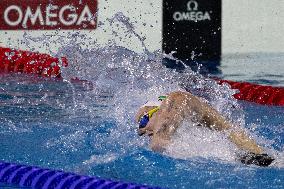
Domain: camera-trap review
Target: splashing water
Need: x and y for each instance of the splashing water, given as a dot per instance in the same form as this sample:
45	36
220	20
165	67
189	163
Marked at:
122	80
131	79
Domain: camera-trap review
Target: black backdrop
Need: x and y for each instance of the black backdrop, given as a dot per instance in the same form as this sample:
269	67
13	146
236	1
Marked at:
193	39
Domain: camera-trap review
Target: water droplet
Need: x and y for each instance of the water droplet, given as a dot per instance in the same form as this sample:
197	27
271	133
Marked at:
31	62
53	64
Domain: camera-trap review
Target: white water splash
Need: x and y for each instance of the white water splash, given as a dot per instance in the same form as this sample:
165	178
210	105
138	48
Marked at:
194	141
129	80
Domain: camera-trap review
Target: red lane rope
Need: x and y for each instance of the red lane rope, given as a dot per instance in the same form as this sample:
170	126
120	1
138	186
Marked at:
30	62
43	64
260	94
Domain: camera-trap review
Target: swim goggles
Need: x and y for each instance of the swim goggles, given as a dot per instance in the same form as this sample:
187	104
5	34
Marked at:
146	117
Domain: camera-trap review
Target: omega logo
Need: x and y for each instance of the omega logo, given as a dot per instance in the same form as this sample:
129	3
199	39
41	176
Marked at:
192	13
192	5
41	14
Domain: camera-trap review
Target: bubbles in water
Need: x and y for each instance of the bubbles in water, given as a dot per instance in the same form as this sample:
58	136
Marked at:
97	159
70	142
8	126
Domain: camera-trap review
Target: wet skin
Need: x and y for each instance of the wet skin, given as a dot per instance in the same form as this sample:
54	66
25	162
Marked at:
180	106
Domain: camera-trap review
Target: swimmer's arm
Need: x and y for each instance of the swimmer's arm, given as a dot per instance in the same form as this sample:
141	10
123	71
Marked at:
170	116
183	105
164	123
244	142
212	119
206	115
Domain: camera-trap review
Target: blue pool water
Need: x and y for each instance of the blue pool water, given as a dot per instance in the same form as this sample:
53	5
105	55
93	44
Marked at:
88	127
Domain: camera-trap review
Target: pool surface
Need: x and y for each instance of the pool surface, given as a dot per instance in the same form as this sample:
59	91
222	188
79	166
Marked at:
89	128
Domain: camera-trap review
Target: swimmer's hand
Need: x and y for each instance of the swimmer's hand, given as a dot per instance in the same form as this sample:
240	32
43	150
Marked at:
262	160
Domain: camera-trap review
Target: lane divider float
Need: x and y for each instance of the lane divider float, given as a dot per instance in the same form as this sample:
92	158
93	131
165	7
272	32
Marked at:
19	61
38	178
260	94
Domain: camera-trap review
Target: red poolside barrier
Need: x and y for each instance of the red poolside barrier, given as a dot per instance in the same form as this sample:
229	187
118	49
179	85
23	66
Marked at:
260	94
30	62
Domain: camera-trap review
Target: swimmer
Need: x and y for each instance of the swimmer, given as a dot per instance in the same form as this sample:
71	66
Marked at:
160	121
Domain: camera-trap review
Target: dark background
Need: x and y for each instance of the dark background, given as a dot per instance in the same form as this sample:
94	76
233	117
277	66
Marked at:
202	37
